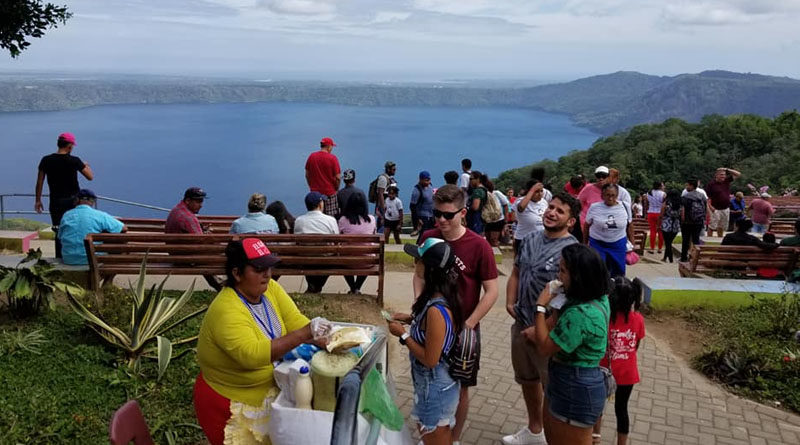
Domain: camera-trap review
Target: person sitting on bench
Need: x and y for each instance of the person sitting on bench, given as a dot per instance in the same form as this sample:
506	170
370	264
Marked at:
741	238
81	221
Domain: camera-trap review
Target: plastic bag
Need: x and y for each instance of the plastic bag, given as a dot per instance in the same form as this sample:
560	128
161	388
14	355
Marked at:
305	351
375	399
631	258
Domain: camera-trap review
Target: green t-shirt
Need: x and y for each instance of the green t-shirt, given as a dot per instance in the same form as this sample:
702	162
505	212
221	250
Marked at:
478	193
792	241
582	333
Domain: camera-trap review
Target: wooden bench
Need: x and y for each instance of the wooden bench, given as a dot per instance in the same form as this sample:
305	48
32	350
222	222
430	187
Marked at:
218	224
742	261
190	254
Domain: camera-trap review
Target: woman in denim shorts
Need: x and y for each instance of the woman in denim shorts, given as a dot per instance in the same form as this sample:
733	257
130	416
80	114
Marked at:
435	319
575	393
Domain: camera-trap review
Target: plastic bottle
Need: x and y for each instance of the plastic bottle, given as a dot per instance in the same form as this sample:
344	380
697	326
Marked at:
303	389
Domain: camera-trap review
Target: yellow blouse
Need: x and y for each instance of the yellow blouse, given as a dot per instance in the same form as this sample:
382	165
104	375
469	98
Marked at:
233	353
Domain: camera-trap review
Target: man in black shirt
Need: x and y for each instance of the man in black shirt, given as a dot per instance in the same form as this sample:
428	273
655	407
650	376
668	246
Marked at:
61	170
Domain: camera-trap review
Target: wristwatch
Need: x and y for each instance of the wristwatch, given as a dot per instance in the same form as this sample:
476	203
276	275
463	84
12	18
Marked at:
404	337
541	308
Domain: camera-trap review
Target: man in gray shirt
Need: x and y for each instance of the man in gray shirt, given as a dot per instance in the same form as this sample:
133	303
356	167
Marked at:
536	264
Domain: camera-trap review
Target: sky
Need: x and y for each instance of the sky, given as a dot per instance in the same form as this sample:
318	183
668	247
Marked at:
419	39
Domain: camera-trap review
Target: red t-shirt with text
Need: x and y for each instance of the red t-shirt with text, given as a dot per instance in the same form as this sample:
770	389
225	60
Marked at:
475	261
622	341
322	168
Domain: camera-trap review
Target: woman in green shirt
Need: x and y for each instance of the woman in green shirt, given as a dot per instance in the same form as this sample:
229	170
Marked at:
575	393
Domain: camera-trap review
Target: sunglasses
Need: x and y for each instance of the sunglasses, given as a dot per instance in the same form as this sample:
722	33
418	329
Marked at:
447	215
600	175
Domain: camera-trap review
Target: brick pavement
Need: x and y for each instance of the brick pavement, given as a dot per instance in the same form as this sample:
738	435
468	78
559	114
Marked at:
672	405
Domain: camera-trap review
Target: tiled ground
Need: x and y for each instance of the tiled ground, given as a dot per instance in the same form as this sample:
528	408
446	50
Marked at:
671	406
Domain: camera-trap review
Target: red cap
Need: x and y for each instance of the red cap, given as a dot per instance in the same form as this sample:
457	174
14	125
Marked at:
327	142
258	254
69	137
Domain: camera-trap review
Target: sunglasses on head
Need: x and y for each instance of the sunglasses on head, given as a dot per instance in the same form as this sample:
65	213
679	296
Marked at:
447	215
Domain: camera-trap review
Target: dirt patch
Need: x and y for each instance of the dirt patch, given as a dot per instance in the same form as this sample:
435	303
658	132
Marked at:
338	307
685	339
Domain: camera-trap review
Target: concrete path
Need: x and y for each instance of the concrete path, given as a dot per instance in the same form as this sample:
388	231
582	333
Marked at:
672	405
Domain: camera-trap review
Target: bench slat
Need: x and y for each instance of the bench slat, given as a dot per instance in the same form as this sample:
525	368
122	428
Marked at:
220	248
191	260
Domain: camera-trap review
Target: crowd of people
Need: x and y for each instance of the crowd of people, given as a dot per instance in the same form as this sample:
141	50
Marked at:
575	314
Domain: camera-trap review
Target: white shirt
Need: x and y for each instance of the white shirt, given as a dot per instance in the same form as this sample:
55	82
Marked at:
608	224
530	219
393	209
699	190
655	199
463	181
624	196
316	222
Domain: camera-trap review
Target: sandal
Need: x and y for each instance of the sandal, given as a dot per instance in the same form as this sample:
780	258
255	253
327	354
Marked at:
595	438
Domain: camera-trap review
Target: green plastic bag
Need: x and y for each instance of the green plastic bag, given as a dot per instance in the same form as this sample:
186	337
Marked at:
375	400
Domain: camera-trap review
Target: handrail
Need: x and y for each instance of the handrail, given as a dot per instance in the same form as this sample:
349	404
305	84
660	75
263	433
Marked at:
345	416
3	211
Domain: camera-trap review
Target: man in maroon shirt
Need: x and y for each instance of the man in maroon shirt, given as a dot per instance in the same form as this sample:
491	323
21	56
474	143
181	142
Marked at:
324	175
719	200
477	267
182	218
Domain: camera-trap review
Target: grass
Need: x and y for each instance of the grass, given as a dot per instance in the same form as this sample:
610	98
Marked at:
752	350
67	388
677	299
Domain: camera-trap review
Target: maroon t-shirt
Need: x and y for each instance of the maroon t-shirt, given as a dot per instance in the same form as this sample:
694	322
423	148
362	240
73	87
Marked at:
719	193
475	260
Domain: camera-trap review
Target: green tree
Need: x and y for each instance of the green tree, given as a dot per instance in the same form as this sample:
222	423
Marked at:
21	19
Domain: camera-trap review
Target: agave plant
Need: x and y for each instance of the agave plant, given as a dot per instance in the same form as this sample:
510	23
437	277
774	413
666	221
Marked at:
150	312
30	285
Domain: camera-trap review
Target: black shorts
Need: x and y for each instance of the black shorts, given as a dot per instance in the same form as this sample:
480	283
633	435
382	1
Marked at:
495	226
391	225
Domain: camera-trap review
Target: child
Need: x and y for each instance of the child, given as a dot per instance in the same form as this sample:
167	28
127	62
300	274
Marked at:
393	216
435	321
625	333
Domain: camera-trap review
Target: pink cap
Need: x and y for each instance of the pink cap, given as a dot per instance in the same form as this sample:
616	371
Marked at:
328	142
258	254
69	137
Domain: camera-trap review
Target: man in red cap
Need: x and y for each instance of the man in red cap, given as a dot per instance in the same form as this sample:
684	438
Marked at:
324	175
61	170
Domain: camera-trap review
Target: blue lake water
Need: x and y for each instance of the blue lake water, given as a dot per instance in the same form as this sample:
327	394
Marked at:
151	153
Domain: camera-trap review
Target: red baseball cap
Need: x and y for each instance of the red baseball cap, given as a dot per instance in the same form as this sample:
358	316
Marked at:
258	255
69	137
327	142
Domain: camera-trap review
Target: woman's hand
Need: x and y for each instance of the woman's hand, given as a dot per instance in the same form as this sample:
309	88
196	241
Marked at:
396	328
321	343
511	311
544	296
402	317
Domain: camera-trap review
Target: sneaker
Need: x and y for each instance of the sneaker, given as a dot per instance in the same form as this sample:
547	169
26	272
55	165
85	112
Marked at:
525	437
414	233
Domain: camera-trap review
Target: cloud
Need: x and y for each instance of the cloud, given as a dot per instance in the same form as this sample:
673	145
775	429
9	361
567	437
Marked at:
727	12
301	7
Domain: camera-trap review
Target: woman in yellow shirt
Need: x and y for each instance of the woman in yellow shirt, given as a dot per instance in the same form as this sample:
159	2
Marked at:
251	323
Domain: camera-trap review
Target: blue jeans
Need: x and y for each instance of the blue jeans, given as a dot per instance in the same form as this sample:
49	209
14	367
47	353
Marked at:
760	228
575	395
435	396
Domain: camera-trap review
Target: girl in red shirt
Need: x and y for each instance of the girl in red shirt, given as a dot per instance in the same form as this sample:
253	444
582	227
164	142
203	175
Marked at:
625	333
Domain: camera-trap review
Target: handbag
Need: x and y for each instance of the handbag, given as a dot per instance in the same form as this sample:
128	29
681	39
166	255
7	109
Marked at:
609	381
631	258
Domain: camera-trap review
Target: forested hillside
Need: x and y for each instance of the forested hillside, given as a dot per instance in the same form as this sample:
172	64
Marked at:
605	103
766	151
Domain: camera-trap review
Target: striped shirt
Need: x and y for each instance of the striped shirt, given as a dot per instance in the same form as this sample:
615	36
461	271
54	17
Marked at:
418	333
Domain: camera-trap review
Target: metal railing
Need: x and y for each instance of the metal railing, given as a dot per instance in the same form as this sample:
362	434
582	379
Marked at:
345	416
4	212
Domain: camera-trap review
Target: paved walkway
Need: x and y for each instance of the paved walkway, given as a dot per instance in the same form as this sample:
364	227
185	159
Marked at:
672	405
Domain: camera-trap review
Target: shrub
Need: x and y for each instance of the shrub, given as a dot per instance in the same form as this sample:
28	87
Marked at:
150	312
31	284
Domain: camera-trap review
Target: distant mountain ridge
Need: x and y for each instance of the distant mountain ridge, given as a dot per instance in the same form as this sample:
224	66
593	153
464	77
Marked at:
604	103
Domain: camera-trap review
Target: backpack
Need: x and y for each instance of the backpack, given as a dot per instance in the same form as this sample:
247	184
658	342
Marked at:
696	211
372	194
463	355
491	211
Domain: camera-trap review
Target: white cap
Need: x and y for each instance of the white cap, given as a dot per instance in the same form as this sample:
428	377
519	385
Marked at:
602	169
766	195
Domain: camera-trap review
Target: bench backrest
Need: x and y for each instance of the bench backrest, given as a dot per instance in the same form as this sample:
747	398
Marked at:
741	259
218	224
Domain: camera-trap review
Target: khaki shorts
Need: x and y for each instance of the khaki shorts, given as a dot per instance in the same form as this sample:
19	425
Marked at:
529	366
719	219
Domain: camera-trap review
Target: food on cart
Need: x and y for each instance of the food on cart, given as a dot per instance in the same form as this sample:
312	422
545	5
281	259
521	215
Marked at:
326	370
347	337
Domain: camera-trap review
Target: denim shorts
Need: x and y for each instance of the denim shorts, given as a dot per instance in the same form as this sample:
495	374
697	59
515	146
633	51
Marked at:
576	395
435	396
